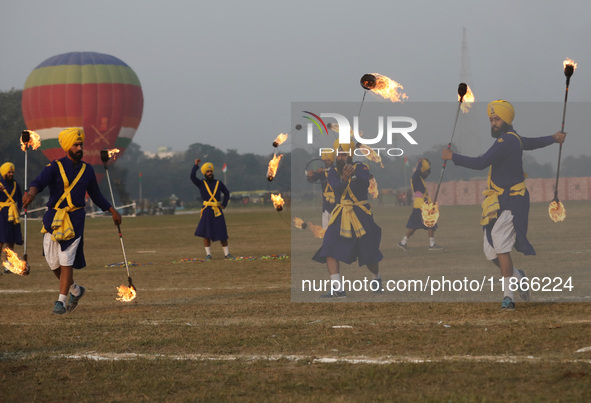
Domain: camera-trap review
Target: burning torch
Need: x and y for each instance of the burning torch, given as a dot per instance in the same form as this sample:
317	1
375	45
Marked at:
105	157
430	211
556	209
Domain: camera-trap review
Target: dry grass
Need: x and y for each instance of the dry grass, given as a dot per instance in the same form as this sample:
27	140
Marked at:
228	330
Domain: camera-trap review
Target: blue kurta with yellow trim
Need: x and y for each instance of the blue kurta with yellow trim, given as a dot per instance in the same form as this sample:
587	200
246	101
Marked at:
210	226
51	177
506	160
9	231
415	221
366	248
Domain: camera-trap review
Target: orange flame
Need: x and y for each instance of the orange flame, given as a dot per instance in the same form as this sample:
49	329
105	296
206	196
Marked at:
277	201
467	101
126	294
298	222
317	230
371	154
34	141
280	140
14	264
273	165
556	211
566	63
113	152
388	88
373	188
430	214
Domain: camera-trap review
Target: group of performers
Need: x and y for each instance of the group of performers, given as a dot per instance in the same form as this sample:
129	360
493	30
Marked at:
352	235
351	232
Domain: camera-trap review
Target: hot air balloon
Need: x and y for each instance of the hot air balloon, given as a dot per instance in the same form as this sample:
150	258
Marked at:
93	91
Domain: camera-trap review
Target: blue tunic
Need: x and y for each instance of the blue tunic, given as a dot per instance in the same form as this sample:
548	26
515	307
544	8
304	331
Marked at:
506	159
364	249
50	176
415	221
322	176
210	226
10	232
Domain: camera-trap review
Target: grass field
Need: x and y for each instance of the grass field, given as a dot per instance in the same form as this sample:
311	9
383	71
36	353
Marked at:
229	330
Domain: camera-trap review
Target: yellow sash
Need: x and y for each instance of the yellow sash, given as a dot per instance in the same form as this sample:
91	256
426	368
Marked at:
13	215
212	202
418	202
328	192
348	218
62	225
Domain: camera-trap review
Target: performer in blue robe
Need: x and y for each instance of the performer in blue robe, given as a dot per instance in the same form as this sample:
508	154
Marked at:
69	179
10	206
352	235
212	224
506	207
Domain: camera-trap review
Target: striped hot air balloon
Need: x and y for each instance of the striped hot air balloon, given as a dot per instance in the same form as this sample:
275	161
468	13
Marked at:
93	91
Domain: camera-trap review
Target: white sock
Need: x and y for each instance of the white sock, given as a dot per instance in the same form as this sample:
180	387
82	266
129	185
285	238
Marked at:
208	250
507	284
404	240
376	276
335	282
63	298
75	289
431	241
516	273
226	251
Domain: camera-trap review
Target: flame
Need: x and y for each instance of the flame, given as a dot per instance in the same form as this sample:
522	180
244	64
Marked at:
371	155
430	214
569	62
298	222
556	211
126	294
113	152
277	201
467	101
388	88
34	141
14	264
280	140
373	188
317	230
273	165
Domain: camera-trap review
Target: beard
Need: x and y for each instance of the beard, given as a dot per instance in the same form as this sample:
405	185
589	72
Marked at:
496	133
77	156
209	177
340	165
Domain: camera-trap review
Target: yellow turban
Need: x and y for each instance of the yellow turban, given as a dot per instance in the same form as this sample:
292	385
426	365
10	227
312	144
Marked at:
425	165
5	168
328	155
346	147
69	136
208	166
502	109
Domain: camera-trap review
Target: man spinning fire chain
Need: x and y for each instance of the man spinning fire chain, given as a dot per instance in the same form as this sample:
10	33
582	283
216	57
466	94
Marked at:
506	206
352	233
212	224
69	179
10	205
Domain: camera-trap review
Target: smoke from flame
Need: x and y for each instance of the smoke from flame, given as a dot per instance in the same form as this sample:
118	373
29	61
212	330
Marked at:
14	264
467	101
277	201
430	214
388	88
126	294
556	211
34	141
273	165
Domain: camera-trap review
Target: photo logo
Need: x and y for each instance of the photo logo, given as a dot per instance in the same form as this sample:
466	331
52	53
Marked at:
316	121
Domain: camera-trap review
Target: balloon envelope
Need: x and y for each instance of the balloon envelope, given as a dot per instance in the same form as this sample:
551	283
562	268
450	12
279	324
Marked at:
89	90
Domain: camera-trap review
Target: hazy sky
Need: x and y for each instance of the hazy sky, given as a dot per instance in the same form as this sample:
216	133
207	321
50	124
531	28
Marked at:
225	73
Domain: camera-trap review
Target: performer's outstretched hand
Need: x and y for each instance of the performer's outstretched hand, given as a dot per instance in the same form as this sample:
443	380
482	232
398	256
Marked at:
197	161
